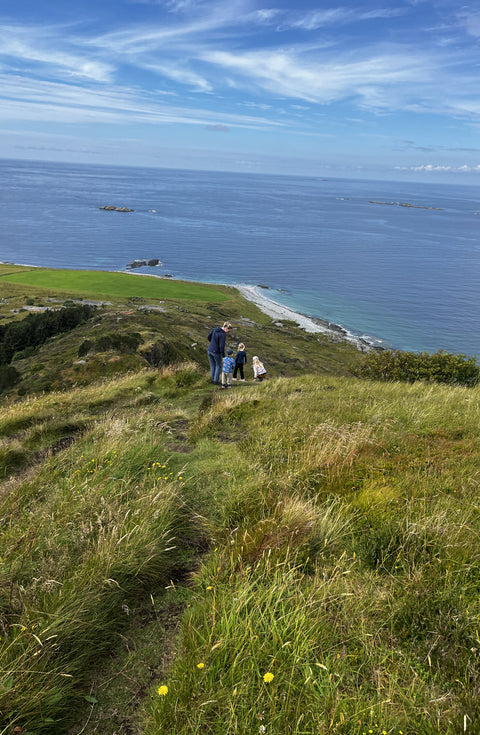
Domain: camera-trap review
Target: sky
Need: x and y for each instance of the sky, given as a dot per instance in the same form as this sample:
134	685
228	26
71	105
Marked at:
386	89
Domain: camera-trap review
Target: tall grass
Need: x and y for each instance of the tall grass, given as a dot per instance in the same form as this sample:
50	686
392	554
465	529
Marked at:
337	586
349	567
80	535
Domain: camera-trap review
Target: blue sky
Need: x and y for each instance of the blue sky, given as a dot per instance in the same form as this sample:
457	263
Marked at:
383	89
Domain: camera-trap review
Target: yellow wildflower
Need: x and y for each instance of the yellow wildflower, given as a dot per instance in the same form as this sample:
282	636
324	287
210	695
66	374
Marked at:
200	666
162	690
267	677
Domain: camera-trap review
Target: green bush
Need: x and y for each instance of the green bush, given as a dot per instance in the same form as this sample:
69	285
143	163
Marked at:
118	342
9	376
85	347
439	367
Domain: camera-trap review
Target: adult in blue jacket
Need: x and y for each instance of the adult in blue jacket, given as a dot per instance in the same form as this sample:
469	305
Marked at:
216	350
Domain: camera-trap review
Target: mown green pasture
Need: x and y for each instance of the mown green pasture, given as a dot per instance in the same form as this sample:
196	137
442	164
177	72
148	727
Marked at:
105	283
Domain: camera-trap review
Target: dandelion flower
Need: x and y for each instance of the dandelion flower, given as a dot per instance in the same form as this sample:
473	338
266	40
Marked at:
210	587
200	666
268	677
162	690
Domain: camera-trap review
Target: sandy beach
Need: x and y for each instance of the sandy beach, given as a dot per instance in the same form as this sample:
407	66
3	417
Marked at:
277	311
314	326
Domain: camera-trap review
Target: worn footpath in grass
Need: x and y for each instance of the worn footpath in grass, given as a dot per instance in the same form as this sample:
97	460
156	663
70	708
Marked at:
305	552
82	533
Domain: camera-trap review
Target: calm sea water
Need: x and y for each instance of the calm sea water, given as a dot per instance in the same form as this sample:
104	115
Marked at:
409	276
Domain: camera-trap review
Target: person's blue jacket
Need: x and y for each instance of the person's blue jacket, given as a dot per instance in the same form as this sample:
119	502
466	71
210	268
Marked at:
228	364
217	341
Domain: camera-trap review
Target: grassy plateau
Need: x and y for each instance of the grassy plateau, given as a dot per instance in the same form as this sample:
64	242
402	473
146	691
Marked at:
295	557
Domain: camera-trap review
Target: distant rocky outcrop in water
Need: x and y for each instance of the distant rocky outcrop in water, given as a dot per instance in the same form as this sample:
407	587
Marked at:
406	204
139	263
113	208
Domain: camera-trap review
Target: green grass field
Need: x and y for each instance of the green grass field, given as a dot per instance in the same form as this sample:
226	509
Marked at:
104	283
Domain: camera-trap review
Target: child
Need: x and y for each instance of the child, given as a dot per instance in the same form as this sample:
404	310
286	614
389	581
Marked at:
259	372
240	361
227	367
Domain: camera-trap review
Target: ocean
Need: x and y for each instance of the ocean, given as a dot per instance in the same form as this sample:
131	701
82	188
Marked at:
348	251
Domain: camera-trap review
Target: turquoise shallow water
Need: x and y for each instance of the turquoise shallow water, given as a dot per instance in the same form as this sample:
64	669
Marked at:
409	276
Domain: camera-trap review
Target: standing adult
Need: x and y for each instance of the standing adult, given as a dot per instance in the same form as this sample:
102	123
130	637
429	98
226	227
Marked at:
216	350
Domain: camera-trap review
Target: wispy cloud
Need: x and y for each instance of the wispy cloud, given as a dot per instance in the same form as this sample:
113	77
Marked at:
166	35
44	46
178	74
287	74
316	19
57	102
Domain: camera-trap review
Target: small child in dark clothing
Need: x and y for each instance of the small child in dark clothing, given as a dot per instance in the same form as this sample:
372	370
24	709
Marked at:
227	367
240	361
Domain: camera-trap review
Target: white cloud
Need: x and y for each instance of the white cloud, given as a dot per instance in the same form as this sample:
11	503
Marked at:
287	74
340	16
141	39
257	105
438	168
183	76
43	47
264	15
318	18
57	102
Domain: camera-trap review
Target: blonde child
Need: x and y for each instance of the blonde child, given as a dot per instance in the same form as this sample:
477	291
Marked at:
240	361
259	372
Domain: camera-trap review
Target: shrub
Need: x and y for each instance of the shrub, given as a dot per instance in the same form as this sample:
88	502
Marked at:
439	367
9	376
85	347
117	342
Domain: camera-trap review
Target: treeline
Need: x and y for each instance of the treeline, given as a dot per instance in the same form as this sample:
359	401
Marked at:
24	336
439	367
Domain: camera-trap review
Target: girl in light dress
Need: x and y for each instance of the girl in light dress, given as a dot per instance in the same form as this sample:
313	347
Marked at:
259	372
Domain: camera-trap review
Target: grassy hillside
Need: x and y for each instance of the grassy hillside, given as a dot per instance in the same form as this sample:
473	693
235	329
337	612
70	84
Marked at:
172	326
298	556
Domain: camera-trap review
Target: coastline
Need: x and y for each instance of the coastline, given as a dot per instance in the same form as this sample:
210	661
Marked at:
312	325
277	312
272	308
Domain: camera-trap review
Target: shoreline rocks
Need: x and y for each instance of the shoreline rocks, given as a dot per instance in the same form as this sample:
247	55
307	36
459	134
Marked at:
137	263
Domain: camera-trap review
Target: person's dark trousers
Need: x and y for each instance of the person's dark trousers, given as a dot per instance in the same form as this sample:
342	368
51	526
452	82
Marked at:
238	366
215	365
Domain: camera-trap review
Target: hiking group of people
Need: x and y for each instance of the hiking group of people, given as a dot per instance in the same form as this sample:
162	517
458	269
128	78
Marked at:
225	368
